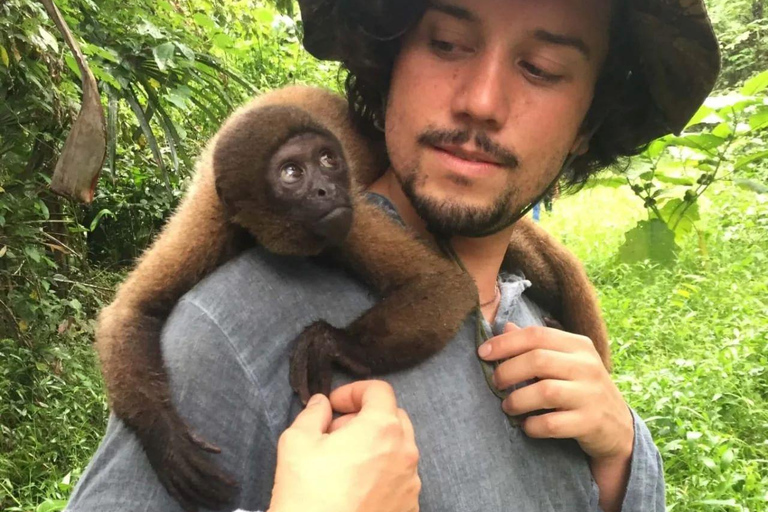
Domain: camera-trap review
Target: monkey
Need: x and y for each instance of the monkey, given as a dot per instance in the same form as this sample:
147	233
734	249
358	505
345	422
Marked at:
286	172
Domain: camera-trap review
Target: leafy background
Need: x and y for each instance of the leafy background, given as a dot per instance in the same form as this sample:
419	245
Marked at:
676	240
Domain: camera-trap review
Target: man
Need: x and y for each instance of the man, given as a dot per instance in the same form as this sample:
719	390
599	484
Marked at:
484	104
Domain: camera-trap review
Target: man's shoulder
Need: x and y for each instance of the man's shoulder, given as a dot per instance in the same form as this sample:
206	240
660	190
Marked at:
257	288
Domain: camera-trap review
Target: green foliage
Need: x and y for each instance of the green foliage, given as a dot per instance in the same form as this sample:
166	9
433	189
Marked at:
742	28
690	343
169	73
725	140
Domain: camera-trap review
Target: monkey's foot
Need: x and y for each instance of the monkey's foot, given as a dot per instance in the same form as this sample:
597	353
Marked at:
318	348
183	465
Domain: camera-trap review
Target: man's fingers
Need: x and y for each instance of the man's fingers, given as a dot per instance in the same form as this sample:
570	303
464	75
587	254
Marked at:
545	394
316	416
559	425
364	395
538	363
405	421
515	342
341	421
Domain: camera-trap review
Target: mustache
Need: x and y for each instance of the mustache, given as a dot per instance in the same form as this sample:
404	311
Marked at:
435	137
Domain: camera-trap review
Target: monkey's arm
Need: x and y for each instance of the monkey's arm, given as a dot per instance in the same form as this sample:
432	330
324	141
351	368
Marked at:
194	242
560	284
425	300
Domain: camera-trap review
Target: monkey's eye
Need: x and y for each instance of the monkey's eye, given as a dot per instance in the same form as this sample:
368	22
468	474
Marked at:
291	173
327	158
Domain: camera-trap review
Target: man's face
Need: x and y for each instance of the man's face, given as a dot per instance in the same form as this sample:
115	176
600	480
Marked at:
486	101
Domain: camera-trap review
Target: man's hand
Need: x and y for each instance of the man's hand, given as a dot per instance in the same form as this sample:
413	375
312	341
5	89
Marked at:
365	460
571	380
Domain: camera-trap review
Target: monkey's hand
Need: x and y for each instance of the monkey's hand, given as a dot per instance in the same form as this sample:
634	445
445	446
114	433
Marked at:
318	348
554	324
182	462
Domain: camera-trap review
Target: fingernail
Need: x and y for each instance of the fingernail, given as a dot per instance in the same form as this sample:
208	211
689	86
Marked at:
511	327
316	399
484	350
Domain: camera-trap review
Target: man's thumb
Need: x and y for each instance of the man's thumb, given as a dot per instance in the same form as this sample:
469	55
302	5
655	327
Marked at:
316	416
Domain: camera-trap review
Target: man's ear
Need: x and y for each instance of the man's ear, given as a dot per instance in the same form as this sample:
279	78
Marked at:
580	145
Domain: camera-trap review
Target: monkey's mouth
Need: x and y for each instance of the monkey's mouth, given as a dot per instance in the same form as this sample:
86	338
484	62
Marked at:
334	226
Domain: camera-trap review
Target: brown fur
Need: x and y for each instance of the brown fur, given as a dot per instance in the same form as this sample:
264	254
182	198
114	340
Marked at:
408	325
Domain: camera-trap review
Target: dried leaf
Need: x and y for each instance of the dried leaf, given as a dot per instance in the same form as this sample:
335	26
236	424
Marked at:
82	157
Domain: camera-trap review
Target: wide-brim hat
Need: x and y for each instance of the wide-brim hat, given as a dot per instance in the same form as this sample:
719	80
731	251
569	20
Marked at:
677	57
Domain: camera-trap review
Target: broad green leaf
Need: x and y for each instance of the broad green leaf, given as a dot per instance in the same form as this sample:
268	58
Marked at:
223	41
186	51
722	130
33	253
699	141
72	65
674	179
147	28
204	21
656	147
755	84
701	114
681	222
741	162
49	39
4	57
612	181
759	121
649	240
164	55
51	506
264	15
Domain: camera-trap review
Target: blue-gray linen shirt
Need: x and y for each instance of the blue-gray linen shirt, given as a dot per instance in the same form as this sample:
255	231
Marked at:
226	347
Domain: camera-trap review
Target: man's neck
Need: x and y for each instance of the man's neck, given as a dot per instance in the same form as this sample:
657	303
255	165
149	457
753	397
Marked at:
482	257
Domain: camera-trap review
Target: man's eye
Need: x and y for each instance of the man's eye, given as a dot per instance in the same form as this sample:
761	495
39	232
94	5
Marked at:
442	46
539	74
291	173
328	159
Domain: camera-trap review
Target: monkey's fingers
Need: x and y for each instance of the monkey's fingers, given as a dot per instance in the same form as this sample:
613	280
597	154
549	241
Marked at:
551	322
202	443
201	481
299	369
352	366
171	487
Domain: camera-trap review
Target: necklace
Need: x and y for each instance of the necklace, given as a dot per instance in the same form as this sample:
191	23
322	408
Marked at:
495	296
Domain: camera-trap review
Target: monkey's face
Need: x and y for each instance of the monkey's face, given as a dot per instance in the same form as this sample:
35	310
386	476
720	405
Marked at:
308	181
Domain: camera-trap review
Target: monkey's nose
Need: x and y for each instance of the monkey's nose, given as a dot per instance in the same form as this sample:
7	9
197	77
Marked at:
326	190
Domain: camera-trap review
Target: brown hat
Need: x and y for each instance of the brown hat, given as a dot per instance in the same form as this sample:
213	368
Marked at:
676	52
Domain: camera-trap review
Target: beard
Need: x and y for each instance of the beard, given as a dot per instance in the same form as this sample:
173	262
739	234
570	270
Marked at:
448	217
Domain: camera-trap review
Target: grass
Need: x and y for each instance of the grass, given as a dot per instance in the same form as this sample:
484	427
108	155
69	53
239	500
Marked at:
690	346
691	342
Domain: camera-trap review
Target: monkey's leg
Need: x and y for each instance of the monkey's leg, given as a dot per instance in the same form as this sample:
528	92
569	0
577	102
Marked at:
426	298
194	242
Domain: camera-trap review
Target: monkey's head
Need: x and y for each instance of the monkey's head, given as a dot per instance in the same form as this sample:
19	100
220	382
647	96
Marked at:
283	176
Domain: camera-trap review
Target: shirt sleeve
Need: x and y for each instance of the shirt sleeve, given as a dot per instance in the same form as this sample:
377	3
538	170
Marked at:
645	488
225	411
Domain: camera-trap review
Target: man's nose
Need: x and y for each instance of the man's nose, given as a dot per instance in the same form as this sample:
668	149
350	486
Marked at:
482	89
